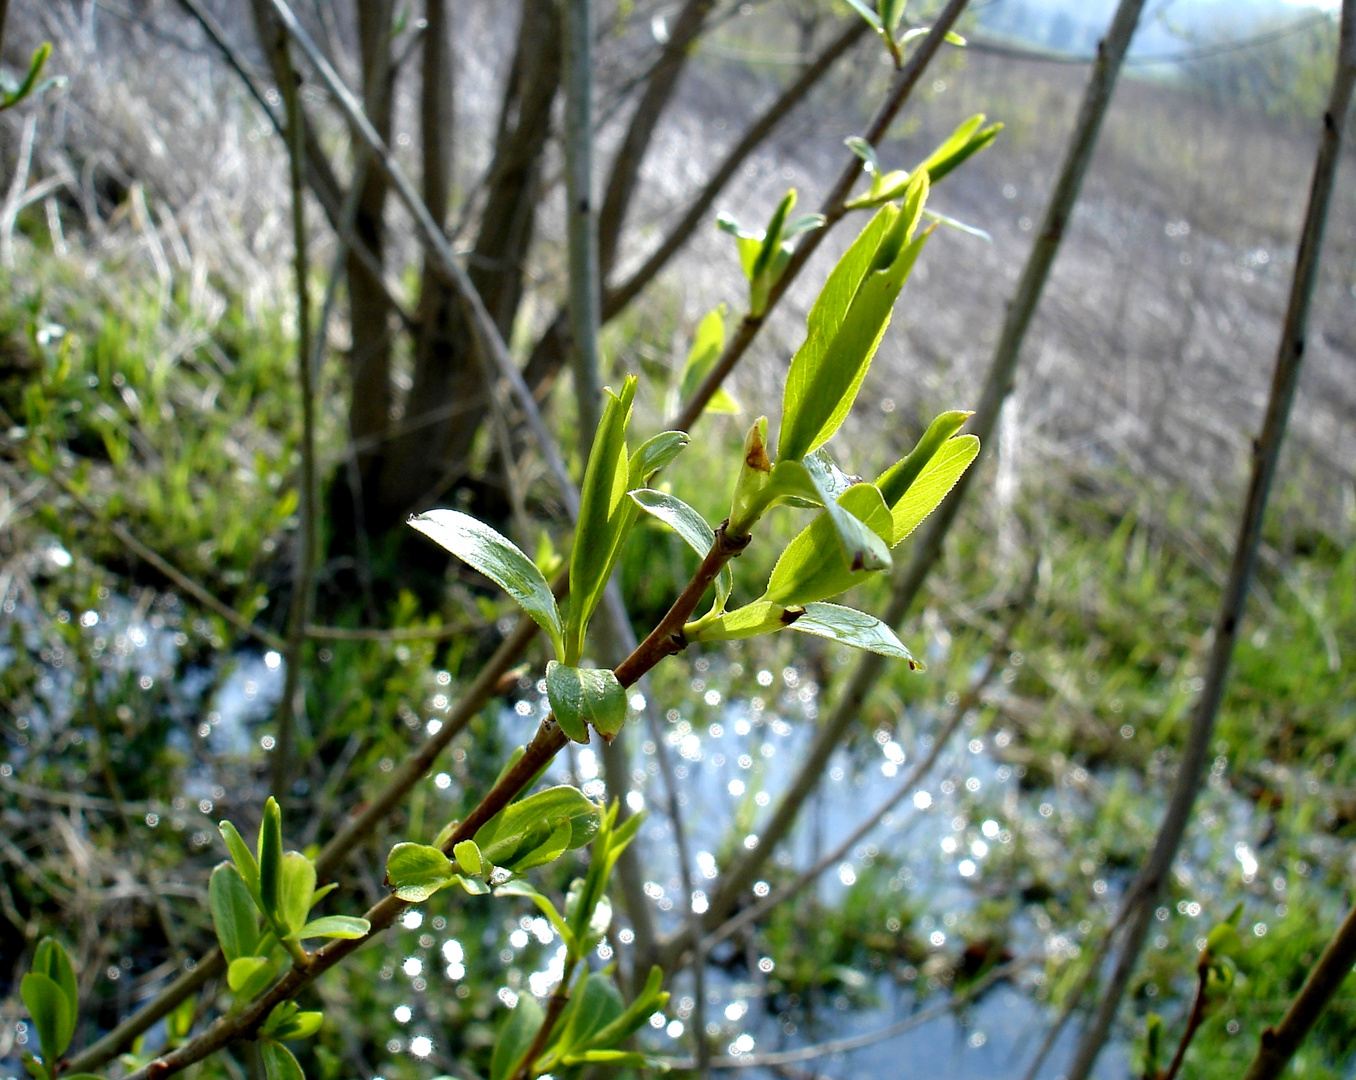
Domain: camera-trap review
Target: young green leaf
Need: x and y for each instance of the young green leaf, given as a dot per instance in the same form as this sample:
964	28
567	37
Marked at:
751	620
515	1038
654	454
844	328
249	976
243	858
548	850
692	527
35	1068
52	1014
650	1000
594	1004
861	546
524	825
862	9
813	567
855	628
270	857
605	515
50	959
468	858
755	473
583	696
417	871
279	1064
772	237
234	914
12	96
499	559
935	481
747	243
707	345
300	1025
296	886
963	143
897	479
335	926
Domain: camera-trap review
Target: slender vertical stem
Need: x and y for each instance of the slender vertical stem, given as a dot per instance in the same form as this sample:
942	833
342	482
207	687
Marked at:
581	218
1265	456
299	616
4	15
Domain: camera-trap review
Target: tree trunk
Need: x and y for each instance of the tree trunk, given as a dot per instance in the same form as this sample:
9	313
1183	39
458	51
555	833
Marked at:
449	396
370	399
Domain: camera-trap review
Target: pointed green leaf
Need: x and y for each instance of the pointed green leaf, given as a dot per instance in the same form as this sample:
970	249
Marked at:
897	479
862	548
813	566
50	959
594	1004
234	915
616	1058
35	1068
822	366
279	1064
862	9
751	620
548	851
302	1025
707	345
249	976
51	1012
270	857
583	696
691	526
417	871
525	825
772	236
855	628
515	1038
35	66
279	1015
654	454
295	889
650	1000
934	482
499	559
959	226
966	141
605	515
241	855
335	926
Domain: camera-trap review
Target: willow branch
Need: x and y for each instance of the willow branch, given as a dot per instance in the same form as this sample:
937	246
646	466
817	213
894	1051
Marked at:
549	740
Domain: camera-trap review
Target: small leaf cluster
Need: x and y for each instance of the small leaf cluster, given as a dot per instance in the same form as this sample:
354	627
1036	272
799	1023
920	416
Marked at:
261	903
12	92
595	1020
887	20
969	138
763	255
50	995
580	698
528	833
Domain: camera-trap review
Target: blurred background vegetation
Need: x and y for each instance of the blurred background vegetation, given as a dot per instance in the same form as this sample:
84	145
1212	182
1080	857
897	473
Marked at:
149	453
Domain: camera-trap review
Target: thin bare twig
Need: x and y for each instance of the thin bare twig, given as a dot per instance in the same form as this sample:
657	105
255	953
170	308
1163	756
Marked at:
1265	457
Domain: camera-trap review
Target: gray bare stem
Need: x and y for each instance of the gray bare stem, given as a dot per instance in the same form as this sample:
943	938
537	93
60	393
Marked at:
1265	456
581	218
303	581
998	383
832	208
4	16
